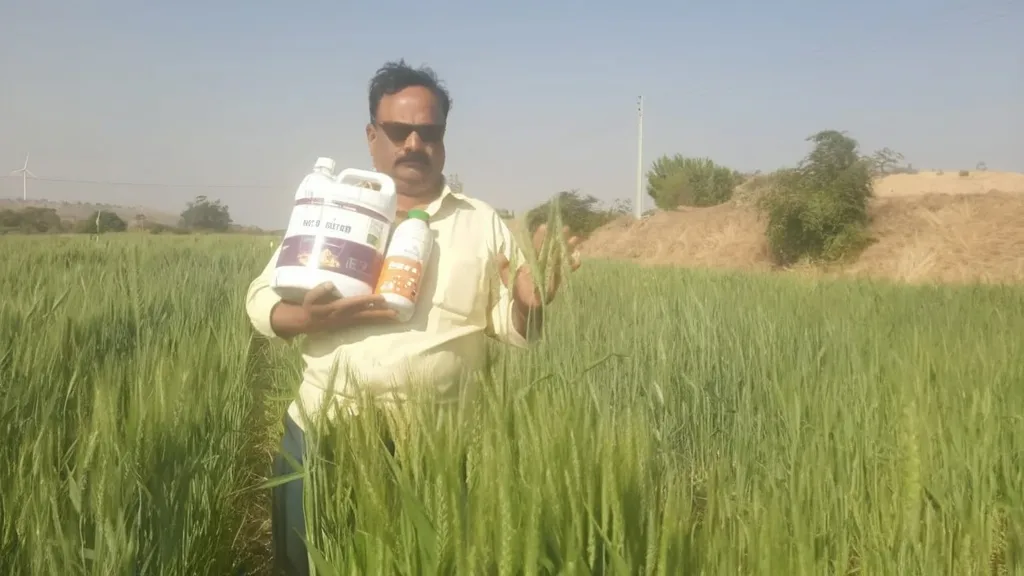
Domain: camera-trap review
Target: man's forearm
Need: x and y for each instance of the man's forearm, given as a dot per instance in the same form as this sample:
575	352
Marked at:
528	323
288	320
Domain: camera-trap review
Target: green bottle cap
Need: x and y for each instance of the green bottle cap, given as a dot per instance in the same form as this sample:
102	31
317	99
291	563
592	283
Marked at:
419	215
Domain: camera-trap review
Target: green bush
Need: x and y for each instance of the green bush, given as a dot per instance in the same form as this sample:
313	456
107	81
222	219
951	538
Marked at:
31	220
175	230
108	222
678	181
581	213
206	215
755	186
819	209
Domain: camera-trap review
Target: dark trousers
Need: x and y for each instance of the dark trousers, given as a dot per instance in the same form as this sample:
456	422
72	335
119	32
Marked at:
287	517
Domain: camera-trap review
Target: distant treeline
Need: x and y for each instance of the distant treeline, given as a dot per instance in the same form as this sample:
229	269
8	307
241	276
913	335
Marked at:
201	215
36	220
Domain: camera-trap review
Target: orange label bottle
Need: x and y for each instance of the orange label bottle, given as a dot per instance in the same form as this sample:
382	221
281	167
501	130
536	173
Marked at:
406	257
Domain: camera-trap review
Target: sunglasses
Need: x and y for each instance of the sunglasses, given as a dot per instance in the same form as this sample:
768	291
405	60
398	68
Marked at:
399	132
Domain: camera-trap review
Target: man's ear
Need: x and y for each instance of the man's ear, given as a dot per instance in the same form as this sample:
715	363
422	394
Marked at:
371	134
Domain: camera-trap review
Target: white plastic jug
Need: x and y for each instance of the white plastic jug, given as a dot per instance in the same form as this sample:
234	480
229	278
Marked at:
337	233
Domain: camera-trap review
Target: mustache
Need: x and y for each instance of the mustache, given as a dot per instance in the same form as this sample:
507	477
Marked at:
414	158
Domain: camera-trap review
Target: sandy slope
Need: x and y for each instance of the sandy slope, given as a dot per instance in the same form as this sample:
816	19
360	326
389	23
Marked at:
948	183
928	227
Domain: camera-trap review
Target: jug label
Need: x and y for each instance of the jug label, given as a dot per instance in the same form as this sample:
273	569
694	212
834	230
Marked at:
340	220
352	259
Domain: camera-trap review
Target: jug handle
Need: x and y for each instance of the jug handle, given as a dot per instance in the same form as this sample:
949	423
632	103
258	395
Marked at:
354	175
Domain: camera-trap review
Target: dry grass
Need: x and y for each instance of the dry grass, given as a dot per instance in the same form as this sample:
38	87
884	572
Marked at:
928	227
947	239
923	183
728	236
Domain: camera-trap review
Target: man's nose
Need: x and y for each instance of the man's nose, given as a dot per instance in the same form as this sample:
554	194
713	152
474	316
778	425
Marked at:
414	142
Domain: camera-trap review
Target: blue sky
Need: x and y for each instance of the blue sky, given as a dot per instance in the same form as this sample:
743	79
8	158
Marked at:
230	94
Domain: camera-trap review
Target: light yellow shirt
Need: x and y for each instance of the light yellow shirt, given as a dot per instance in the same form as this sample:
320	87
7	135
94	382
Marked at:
461	301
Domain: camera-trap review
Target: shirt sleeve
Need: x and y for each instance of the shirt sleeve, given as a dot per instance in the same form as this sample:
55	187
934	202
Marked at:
500	324
261	299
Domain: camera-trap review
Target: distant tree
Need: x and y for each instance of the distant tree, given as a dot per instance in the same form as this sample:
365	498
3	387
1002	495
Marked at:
622	207
31	220
158	228
100	222
886	161
819	209
206	215
249	230
675	181
581	213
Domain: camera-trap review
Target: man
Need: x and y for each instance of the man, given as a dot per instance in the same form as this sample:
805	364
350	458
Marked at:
353	345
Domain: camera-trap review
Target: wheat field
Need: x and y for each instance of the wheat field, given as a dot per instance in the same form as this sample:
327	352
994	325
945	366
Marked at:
671	422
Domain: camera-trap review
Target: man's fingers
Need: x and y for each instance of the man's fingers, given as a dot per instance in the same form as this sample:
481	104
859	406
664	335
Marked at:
538	237
574	253
554	283
348	306
358	303
367	316
556	274
321	294
503	266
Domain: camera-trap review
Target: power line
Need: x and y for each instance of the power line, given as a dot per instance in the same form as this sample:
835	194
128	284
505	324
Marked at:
152	184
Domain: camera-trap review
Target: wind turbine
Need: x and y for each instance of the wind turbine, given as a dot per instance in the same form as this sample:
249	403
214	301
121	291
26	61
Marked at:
25	175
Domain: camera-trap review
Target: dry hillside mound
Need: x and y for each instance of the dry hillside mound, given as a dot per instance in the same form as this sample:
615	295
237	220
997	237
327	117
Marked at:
946	238
923	183
975	233
727	236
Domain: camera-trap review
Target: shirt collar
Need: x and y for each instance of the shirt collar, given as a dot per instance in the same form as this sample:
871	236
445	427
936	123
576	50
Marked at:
447	195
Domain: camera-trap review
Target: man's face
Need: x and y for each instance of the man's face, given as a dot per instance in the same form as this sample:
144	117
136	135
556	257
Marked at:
407	140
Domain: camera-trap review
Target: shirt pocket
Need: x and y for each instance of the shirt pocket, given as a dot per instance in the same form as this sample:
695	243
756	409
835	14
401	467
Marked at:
460	289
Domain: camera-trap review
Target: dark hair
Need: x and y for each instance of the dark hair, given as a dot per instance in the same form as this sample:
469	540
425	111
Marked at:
393	77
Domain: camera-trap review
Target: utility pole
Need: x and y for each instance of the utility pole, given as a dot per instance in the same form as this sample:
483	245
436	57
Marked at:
638	205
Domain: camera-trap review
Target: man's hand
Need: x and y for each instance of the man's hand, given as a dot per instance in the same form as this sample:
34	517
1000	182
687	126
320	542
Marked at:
527	296
323	311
